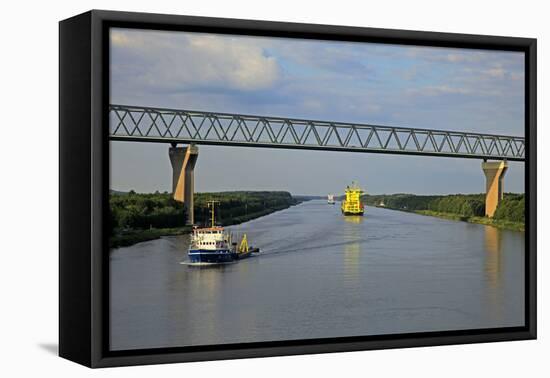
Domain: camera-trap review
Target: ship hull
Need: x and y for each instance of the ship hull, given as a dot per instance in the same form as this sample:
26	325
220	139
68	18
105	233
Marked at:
347	214
218	256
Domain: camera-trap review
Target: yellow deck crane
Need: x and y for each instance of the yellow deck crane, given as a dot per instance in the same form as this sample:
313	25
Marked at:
243	247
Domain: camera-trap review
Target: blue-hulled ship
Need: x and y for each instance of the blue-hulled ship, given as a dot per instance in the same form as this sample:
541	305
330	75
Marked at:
212	245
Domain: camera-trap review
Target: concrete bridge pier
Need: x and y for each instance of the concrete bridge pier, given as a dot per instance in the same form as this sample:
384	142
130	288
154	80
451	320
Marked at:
183	161
494	190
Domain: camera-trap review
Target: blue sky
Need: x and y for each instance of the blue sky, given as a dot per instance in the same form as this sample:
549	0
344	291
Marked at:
409	86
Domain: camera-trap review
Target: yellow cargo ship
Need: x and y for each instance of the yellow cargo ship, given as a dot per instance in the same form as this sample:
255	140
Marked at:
352	204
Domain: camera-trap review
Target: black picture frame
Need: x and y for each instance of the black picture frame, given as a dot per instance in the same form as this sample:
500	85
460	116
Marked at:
83	181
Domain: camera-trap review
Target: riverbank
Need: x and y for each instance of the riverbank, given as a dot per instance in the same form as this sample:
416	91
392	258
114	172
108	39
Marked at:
258	214
130	237
509	215
137	217
502	224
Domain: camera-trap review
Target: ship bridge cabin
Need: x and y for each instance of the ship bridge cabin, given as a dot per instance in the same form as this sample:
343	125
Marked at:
210	238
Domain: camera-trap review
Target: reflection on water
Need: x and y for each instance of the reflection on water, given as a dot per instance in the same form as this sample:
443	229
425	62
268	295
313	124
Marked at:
353	219
493	238
352	247
493	269
320	275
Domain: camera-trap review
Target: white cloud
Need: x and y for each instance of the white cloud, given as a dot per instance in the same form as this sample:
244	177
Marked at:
496	72
119	39
517	76
242	65
436	90
179	62
455	58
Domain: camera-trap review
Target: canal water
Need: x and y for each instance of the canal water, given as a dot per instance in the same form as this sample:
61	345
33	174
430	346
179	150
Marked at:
320	275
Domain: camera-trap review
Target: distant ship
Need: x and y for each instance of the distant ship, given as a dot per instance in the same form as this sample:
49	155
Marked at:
212	245
330	199
352	204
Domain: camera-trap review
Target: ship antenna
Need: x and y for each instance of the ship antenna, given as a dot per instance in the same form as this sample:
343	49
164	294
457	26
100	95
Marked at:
212	204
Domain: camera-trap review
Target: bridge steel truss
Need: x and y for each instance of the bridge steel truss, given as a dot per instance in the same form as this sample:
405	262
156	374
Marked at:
146	124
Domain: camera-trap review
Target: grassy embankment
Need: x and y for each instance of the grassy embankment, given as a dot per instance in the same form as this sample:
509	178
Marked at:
509	215
507	225
140	217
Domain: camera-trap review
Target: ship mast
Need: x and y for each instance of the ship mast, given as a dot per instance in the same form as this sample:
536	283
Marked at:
212	204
